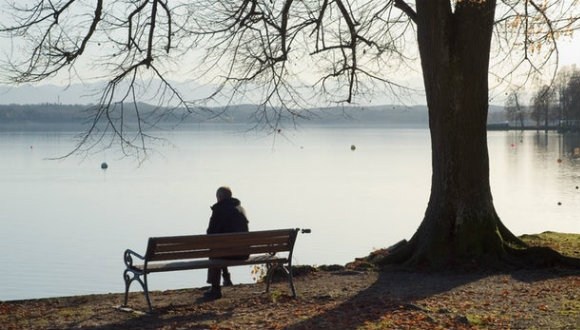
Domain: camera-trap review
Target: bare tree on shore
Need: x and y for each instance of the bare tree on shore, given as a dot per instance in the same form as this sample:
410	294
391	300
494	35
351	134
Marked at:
515	111
544	106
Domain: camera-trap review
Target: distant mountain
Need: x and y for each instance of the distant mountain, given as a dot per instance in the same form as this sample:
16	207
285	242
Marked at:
41	94
89	93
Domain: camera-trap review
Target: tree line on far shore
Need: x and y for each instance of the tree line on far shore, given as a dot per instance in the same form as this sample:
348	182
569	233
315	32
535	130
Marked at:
554	105
47	115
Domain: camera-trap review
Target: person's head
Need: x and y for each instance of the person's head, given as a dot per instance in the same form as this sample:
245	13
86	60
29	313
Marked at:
223	193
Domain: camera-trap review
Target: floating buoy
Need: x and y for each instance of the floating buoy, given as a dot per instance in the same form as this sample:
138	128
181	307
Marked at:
104	165
559	203
559	160
352	147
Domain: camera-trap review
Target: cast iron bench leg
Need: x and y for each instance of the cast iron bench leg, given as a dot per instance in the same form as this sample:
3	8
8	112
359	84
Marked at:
136	277
270	273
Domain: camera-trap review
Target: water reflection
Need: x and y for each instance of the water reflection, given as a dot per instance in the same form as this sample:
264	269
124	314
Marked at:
564	146
541	141
534	176
570	145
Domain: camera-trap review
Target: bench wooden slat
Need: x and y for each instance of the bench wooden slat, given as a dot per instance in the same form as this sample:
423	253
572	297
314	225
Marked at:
213	237
221	252
234	242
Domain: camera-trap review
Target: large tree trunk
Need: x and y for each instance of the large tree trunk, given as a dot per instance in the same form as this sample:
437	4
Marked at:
460	223
461	226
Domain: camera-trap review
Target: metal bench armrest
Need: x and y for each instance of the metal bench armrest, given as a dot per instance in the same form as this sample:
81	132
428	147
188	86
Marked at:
128	257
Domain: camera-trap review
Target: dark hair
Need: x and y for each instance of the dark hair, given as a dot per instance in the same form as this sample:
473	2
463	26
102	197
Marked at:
223	193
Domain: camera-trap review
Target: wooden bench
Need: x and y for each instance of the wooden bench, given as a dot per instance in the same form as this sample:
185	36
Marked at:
165	254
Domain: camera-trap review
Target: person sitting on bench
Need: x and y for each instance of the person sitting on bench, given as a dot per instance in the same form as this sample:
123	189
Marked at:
227	216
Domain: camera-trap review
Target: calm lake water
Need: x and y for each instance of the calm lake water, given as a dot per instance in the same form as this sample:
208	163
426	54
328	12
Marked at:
65	224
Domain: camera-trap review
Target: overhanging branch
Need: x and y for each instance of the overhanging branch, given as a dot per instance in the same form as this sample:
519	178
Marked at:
403	6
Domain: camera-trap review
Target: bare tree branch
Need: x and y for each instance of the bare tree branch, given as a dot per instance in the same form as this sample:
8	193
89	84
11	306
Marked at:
403	6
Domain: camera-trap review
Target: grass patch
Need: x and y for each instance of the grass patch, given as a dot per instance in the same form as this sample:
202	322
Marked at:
570	308
566	244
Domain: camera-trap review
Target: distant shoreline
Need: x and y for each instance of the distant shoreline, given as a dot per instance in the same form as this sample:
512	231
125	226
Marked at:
35	117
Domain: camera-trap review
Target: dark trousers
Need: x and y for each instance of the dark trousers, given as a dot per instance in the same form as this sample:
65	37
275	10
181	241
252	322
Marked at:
213	276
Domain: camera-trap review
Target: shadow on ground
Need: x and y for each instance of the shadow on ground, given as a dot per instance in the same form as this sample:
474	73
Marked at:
398	292
393	291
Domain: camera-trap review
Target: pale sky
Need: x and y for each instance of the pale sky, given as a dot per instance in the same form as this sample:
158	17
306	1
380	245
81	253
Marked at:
569	55
570	51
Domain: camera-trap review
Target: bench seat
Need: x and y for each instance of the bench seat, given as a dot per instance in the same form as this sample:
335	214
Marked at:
207	263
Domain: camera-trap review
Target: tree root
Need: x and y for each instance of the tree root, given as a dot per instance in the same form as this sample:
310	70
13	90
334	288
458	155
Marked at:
508	236
404	254
540	257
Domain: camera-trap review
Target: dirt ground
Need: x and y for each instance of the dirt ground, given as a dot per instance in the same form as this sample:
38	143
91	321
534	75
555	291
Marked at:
330	300
334	298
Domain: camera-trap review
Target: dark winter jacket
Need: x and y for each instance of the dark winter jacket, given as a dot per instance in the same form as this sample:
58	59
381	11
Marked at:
228	216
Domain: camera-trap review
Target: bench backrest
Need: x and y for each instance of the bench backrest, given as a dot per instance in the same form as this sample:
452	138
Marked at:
220	245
